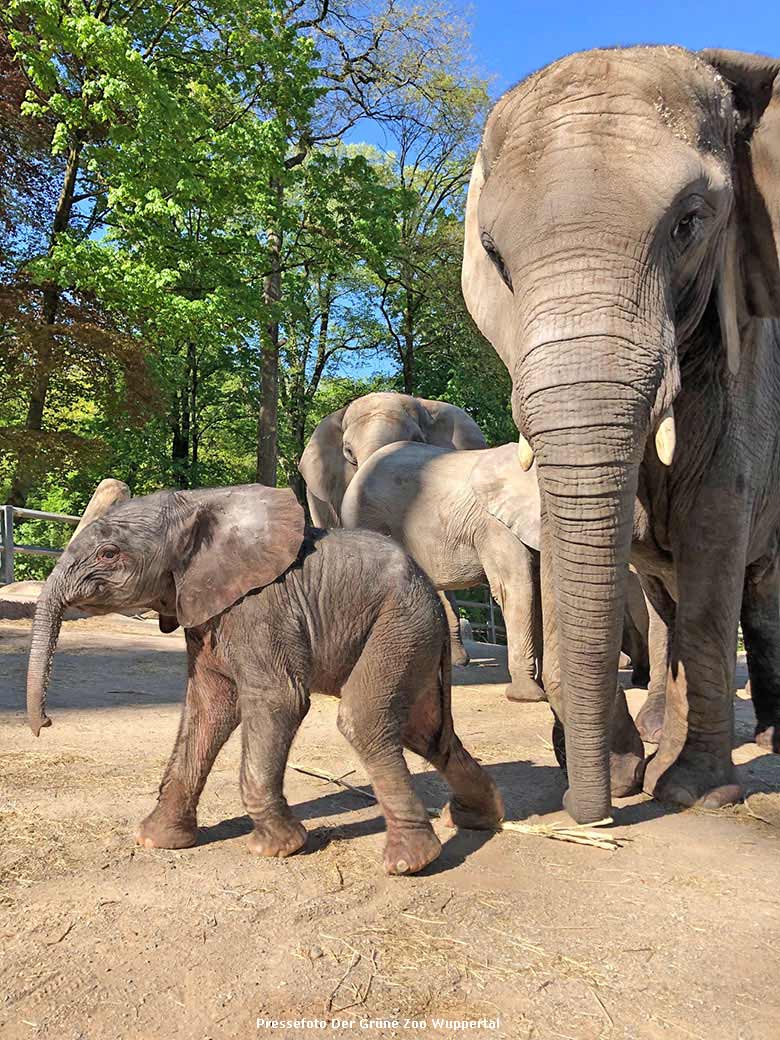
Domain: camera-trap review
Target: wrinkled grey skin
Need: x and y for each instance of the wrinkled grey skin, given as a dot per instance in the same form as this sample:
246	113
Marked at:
465	518
345	439
621	255
271	611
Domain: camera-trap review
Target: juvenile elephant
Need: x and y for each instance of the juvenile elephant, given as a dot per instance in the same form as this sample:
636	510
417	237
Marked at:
622	255
272	610
345	439
465	517
471	517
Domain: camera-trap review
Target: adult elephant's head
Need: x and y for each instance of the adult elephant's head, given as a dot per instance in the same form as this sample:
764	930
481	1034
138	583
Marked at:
187	554
345	439
622	204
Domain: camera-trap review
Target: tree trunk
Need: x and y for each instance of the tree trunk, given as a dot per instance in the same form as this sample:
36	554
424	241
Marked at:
407	360
22	481
267	450
192	357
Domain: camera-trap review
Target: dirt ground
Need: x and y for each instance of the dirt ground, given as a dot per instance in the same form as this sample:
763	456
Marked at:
672	936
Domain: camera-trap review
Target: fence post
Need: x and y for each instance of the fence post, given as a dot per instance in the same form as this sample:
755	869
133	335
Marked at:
8	544
491	616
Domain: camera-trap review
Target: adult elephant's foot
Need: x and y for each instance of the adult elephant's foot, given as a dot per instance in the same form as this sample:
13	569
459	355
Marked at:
650	720
525	689
626	756
768	736
278	836
161	830
703	779
460	655
409	850
626	772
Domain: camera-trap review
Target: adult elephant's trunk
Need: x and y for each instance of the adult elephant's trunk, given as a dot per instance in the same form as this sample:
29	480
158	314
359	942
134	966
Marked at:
46	629
587	425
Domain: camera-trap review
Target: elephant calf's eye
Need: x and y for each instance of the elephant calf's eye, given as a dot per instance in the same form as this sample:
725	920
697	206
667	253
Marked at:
108	553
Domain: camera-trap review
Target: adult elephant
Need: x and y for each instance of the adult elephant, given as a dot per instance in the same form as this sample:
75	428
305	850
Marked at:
621	255
345	439
465	517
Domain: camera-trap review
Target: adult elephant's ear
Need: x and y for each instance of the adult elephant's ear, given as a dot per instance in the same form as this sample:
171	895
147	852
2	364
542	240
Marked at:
235	540
451	427
509	493
755	86
323	466
488	298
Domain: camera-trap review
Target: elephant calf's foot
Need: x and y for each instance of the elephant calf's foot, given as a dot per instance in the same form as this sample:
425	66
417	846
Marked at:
768	736
484	817
162	831
277	836
704	780
409	850
650	720
525	689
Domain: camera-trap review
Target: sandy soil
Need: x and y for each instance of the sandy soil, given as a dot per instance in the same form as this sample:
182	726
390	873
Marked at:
672	936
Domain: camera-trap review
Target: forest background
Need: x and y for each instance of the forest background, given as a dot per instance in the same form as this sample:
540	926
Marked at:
219	222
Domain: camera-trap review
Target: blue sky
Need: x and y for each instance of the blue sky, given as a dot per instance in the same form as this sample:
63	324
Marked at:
511	39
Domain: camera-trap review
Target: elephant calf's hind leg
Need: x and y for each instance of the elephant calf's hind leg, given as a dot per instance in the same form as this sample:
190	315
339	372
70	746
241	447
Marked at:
476	803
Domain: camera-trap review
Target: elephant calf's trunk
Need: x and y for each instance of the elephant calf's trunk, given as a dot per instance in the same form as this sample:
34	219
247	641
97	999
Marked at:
46	629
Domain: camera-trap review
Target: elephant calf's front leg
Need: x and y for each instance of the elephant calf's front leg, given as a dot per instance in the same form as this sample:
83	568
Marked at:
209	716
269	721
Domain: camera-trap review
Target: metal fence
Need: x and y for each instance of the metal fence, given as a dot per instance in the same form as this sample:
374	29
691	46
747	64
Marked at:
491	629
9	549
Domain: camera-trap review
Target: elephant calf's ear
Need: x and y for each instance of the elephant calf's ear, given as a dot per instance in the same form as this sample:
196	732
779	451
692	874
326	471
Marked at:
239	539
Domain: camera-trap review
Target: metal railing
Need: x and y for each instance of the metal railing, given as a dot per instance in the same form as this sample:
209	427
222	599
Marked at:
9	549
492	625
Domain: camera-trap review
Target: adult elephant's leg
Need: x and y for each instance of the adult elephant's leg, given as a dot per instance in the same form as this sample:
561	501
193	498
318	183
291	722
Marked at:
460	654
661	612
513	574
693	763
761	632
209	716
626	759
271	713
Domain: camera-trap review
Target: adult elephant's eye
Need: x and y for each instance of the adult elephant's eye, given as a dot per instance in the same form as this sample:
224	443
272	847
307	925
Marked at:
686	228
107	553
490	248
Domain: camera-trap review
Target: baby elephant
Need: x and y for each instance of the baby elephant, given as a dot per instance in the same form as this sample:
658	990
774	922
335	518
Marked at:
272	610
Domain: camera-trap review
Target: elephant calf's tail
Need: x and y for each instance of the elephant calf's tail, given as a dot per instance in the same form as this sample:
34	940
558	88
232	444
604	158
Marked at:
445	684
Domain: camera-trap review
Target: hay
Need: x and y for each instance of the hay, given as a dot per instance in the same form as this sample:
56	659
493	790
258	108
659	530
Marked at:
579	834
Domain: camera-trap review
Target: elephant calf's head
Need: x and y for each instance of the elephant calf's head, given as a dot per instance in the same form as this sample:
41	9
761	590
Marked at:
189	555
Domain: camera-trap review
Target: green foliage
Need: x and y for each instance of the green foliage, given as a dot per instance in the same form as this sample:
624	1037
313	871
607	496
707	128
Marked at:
200	148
